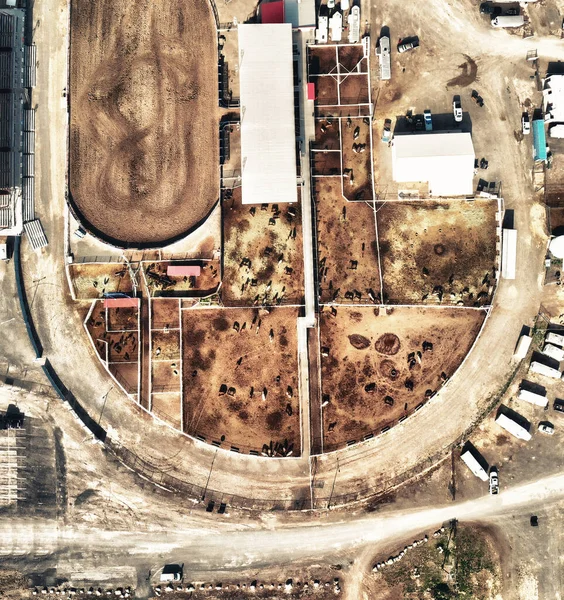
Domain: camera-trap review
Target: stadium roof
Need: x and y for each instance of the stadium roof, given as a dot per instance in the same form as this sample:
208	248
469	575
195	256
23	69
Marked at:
444	160
268	139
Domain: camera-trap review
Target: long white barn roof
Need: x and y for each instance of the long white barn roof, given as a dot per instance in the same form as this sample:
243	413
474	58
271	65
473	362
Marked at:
268	139
445	160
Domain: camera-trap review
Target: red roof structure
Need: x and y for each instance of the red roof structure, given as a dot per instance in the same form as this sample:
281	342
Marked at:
311	91
120	302
183	270
272	12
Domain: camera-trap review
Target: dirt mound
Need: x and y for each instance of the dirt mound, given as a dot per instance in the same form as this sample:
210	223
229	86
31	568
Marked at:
359	341
468	73
389	370
388	343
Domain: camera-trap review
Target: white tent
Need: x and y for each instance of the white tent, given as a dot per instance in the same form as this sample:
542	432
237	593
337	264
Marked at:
268	139
444	160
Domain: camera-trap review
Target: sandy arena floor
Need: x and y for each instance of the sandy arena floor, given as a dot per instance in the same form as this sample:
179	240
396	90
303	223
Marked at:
144	122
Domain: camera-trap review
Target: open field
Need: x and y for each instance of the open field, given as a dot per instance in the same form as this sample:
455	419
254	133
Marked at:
380	365
144	118
263	259
467	554
438	252
346	235
93	280
226	372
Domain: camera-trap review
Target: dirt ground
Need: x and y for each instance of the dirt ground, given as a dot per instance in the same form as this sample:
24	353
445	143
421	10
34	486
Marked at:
261	357
380	365
271	240
554	192
159	283
346	235
93	280
438	252
468	554
144	118
357	174
119	348
165	313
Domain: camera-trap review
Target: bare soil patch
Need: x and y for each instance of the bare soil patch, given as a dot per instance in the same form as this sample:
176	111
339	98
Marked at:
322	60
144	117
263	259
411	353
226	372
357	157
354	89
167	406
165	313
346	244
438	252
93	280
350	56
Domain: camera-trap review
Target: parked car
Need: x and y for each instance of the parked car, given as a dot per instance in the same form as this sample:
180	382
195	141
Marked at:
408	44
457	109
487	8
80	232
526	123
387	133
428	120
546	427
494	481
559	405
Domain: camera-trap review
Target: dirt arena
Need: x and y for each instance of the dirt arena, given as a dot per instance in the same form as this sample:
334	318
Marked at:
378	366
144	120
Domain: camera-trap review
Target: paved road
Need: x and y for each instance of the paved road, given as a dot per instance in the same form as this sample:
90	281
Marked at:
366	466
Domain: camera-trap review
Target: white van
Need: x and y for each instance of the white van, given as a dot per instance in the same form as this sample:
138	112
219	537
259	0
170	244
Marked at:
508	21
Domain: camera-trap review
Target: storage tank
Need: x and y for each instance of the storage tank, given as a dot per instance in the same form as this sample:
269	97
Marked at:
537	367
513	427
536	399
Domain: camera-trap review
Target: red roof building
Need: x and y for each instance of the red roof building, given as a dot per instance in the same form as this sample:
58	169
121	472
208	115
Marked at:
120	302
272	12
183	270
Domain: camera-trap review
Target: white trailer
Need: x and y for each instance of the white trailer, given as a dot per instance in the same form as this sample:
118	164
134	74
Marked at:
336	27
536	399
554	352
508	253
555	339
508	21
473	464
523	347
354	25
513	427
537	367
383	53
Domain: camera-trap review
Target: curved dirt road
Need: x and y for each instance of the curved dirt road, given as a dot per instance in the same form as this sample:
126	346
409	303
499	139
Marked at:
365	467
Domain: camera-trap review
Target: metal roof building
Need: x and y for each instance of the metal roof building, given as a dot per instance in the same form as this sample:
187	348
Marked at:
268	138
444	160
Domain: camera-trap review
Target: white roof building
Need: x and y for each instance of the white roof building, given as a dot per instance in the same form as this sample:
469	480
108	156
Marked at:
444	160
553	98
300	13
268	139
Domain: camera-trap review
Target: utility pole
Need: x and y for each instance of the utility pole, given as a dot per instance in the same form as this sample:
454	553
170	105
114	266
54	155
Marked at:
209	476
105	396
333	486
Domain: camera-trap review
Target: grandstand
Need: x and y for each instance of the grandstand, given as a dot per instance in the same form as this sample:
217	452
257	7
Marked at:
17	129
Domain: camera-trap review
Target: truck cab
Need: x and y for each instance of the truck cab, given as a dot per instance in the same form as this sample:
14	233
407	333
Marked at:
172	572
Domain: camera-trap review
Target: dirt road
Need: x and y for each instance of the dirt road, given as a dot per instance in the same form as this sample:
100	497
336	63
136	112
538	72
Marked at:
39	545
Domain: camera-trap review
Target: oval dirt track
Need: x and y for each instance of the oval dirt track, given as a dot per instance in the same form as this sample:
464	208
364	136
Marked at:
144	151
